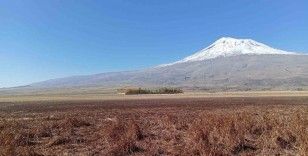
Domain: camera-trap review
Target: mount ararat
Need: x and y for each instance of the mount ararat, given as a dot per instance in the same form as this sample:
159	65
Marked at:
227	64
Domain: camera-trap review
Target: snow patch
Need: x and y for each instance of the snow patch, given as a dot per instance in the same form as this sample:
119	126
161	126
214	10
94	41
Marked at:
228	46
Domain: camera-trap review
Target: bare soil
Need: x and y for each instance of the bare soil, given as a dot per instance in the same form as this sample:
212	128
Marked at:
160	126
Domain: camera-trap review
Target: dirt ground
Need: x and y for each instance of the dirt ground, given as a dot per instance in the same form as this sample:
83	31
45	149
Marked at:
264	125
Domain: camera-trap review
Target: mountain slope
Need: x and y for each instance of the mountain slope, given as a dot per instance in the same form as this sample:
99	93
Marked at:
238	72
237	64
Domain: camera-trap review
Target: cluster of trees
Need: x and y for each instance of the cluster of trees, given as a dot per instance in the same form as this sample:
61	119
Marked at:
164	90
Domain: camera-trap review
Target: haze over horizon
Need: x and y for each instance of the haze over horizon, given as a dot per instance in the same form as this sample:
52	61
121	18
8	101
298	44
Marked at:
42	40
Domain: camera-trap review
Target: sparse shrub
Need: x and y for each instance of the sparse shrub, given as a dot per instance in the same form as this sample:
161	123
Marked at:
79	122
18	139
299	89
44	131
155	91
124	136
137	91
74	122
169	91
58	140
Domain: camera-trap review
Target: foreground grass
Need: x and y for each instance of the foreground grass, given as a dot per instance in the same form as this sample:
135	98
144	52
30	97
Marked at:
250	130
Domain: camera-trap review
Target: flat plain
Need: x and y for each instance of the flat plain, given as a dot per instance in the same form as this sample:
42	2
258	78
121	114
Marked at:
255	123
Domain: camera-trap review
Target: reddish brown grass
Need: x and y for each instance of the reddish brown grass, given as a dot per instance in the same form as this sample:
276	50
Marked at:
202	127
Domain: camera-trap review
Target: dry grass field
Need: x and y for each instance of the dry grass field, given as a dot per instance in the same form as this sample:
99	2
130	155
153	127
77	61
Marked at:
262	125
99	95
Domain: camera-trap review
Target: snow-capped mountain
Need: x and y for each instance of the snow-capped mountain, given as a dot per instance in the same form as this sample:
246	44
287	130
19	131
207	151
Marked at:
228	63
228	46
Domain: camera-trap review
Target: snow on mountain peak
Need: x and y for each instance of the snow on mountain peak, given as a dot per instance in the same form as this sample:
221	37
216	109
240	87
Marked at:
227	46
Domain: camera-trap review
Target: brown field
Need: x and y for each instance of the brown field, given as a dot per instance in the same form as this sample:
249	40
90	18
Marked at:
235	125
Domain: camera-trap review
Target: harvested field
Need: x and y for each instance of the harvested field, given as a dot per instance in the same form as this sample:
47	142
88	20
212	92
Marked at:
186	126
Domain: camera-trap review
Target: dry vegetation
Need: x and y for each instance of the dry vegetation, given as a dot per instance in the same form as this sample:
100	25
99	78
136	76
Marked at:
203	126
153	91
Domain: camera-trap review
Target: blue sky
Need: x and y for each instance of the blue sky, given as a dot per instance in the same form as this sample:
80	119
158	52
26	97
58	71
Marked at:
48	39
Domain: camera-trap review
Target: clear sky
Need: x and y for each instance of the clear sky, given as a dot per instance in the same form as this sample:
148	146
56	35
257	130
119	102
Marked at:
45	39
